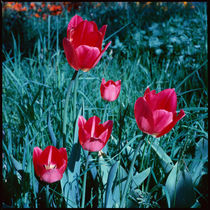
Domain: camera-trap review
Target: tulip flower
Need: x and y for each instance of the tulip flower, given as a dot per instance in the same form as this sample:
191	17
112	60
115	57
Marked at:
155	113
110	90
92	135
83	44
50	164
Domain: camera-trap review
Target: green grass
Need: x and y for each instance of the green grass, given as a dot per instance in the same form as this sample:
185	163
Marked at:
167	51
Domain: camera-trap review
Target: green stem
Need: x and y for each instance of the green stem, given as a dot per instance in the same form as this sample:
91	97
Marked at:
47	196
66	108
105	111
142	159
84	181
130	175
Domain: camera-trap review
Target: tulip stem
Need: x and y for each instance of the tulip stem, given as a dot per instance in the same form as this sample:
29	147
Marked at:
66	108
84	181
130	174
47	195
105	111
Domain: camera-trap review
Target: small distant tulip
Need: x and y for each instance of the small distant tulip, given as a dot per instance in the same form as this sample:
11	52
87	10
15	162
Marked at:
155	113
83	44
110	90
50	164
92	135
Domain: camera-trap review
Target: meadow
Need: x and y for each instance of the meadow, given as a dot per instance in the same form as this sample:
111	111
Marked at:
159	45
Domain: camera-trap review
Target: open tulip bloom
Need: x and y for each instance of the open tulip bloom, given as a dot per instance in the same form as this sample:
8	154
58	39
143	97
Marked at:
92	135
155	113
110	90
83	44
50	164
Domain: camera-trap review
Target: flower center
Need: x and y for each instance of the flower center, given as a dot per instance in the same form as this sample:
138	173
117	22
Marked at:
50	166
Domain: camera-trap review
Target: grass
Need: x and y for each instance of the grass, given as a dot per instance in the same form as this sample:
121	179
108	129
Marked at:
167	51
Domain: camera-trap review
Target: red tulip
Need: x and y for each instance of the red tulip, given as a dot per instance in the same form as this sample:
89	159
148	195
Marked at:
92	135
155	113
50	164
83	44
110	90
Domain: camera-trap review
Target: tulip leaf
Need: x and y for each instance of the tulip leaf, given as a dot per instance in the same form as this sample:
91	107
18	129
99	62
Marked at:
140	177
52	135
76	130
180	188
201	157
92	167
136	181
68	190
165	160
17	165
69	182
104	169
111	177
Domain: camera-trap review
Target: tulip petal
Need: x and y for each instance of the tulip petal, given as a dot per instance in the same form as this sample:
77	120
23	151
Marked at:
100	55
74	22
63	167
81	122
109	91
167	100
102	128
92	135
91	125
52	175
103	81
81	33
63	153
94	144
70	53
173	123
36	154
50	163
162	119
87	57
143	115
83	135
118	83
103	30
147	91
51	156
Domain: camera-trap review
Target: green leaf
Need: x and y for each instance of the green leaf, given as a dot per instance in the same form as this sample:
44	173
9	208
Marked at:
111	177
201	157
68	190
76	130
52	135
119	188
104	169
17	165
140	177
69	182
165	160
180	188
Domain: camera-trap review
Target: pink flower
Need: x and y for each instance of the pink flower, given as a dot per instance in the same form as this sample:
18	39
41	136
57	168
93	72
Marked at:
110	90
156	113
83	44
92	135
50	164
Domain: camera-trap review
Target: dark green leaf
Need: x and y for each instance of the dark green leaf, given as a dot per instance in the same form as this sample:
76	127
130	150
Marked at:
50	129
180	188
165	160
140	177
111	177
